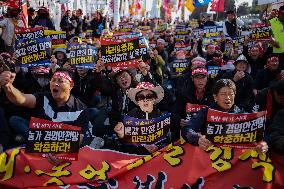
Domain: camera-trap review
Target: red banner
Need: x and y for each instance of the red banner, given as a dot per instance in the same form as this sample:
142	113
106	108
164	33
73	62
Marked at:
178	166
218	5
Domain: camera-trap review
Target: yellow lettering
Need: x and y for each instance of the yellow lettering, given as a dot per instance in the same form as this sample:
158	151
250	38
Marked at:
8	166
89	172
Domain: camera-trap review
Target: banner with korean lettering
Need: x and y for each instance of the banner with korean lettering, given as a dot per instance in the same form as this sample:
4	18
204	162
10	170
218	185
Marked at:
29	33
51	137
185	47
237	130
125	27
34	52
58	38
176	166
261	32
146	131
122	53
213	71
82	55
181	32
192	110
179	65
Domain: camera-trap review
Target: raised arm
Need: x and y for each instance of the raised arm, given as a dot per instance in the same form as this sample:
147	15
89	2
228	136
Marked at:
13	94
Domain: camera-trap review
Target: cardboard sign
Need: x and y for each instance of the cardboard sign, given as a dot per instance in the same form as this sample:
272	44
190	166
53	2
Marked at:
261	32
237	130
179	65
34	52
192	110
213	71
142	131
56	138
82	55
122	53
58	38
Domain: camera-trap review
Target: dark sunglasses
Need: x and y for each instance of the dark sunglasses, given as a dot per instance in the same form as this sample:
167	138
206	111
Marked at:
143	97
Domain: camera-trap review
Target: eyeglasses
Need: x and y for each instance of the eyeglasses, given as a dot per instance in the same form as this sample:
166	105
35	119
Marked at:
145	97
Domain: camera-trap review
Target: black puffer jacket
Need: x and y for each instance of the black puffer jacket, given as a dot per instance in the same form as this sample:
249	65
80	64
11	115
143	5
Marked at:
276	132
244	96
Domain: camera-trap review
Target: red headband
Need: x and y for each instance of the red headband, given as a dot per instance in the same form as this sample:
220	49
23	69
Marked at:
273	58
199	71
64	75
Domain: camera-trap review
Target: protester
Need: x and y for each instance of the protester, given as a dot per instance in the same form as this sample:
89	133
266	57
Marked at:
277	133
232	23
43	19
146	96
58	106
198	91
224	93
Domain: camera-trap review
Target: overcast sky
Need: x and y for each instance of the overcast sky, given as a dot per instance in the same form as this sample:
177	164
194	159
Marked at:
241	1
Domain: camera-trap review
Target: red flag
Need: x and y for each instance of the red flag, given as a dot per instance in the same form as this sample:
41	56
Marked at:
179	4
218	5
24	14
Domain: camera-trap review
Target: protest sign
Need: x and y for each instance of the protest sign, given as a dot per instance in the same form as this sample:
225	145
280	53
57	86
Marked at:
238	44
51	137
58	38
237	130
122	53
29	33
213	71
181	32
34	52
193	23
146	131
152	44
192	110
82	55
125	27
261	32
185	47
144	30
178	165
88	33
213	31
179	65
197	32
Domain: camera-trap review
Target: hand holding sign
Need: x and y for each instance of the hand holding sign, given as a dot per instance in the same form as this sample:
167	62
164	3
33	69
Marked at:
262	148
204	143
119	129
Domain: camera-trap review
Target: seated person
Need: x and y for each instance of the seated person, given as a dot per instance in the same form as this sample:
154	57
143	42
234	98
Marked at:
224	93
57	106
146	96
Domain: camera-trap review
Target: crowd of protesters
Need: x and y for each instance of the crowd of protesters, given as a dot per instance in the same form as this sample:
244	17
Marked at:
97	99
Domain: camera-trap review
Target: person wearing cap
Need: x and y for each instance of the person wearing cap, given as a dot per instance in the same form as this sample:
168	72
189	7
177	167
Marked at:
198	91
146	96
278	35
58	105
269	73
162	50
231	24
224	93
244	83
43	19
58	59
